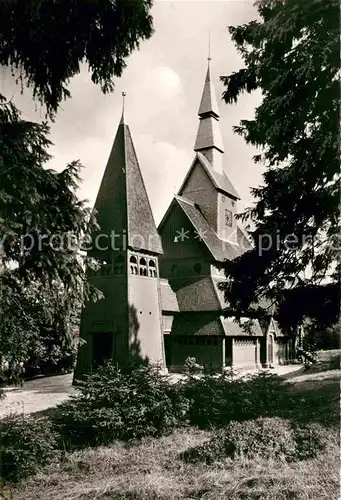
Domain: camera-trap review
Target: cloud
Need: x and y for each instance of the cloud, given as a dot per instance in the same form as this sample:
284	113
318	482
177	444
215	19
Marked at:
165	82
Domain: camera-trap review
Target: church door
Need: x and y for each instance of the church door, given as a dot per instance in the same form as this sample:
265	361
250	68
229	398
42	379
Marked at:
102	348
270	350
168	349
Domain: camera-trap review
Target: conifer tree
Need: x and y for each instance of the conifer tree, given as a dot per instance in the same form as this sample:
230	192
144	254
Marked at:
43	286
292	54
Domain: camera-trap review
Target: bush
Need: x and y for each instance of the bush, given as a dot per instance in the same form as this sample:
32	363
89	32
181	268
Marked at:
215	401
334	362
113	404
269	438
25	444
310	440
192	367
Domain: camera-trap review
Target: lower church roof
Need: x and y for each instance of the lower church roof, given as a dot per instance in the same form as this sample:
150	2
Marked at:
197	324
203	323
233	328
169	301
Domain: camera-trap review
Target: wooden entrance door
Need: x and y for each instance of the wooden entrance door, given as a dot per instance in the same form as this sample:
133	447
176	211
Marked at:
102	348
168	349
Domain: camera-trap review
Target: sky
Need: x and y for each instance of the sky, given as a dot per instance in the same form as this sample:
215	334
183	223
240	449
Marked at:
163	82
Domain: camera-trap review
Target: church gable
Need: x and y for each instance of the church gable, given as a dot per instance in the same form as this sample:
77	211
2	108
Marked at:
219	249
179	238
214	195
199	189
197	179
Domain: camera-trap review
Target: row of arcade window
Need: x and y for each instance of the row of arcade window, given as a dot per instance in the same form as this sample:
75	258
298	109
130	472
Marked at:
106	269
142	267
196	340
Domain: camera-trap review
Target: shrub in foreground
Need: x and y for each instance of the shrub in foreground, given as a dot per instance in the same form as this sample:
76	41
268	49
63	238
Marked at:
216	401
269	438
115	404
25	445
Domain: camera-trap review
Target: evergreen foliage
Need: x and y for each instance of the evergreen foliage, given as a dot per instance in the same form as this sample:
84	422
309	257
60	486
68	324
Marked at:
216	400
26	445
120	405
270	438
292	54
42	226
52	38
43	286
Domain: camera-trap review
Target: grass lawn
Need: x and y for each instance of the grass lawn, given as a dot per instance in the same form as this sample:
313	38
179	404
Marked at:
151	469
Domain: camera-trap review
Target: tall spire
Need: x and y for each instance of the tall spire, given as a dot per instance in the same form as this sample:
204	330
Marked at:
122	203
209	140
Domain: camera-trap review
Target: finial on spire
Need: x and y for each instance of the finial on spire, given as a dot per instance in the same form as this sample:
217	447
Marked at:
123	99
209	45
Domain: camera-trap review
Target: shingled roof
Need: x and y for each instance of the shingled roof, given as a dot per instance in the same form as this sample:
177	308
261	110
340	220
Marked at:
219	249
169	302
233	329
197	324
196	294
208	103
211	324
122	203
209	134
219	180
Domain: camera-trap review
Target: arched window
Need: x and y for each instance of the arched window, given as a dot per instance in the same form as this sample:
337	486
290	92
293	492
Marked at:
119	265
143	267
133	264
197	268
152	268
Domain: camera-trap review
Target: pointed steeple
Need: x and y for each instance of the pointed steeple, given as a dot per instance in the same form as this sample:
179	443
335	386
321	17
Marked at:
209	140
122	203
208	102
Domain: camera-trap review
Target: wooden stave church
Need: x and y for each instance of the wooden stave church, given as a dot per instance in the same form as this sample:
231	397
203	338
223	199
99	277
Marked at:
162	302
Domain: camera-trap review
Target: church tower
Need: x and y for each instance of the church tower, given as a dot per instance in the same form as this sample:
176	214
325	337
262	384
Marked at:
207	184
209	140
125	325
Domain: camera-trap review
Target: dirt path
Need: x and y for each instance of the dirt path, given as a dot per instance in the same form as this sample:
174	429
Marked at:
313	377
37	395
